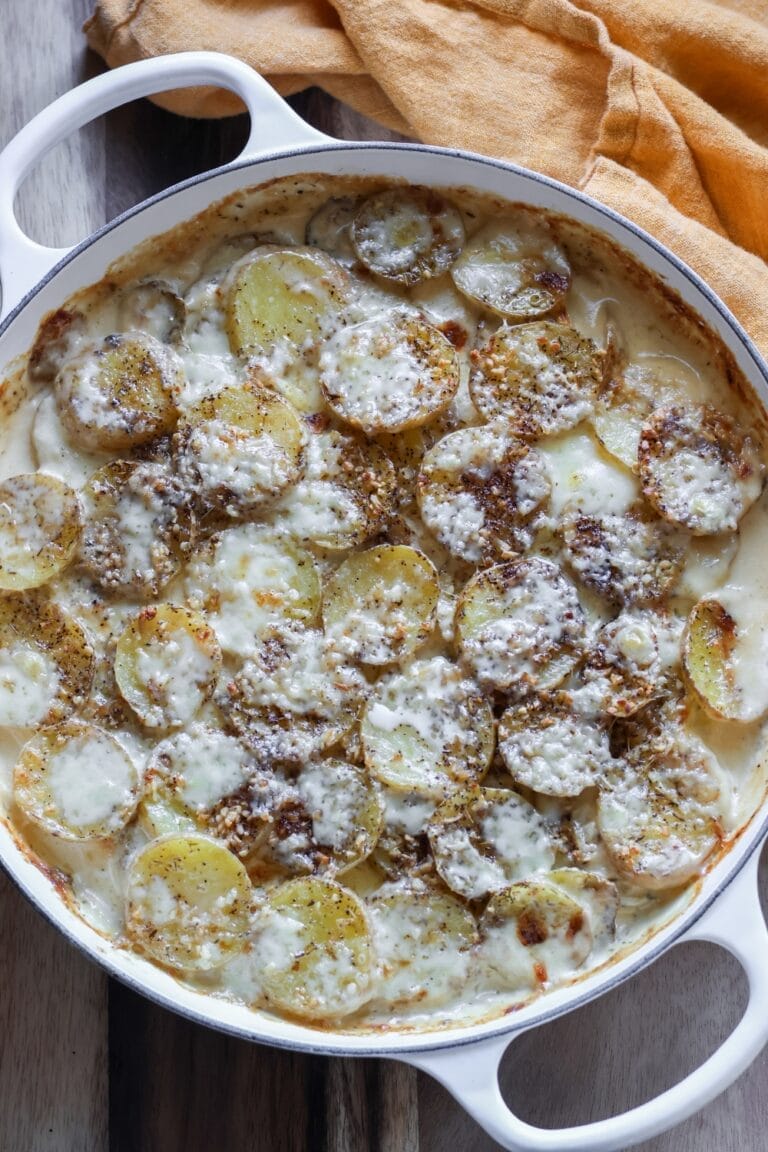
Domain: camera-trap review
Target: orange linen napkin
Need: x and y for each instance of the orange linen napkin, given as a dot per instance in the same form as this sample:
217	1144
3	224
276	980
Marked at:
658	108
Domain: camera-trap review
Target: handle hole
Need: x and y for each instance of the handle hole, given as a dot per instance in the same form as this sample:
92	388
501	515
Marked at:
629	1046
114	163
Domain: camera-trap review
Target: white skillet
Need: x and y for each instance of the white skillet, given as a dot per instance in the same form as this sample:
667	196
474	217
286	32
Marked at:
36	279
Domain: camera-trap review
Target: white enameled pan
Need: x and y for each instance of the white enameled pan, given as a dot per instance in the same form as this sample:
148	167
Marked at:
37	279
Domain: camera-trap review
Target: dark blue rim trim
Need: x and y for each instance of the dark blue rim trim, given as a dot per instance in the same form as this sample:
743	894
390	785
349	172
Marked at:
507	1026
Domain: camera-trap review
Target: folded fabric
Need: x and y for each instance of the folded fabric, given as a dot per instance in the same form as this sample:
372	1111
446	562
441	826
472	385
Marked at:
657	109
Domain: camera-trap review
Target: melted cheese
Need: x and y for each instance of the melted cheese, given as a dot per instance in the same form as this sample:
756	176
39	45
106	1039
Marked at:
29	683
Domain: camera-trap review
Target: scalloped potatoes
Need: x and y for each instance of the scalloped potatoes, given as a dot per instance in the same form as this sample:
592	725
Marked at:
383	609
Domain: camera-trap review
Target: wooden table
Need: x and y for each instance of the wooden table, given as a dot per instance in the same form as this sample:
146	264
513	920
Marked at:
87	1066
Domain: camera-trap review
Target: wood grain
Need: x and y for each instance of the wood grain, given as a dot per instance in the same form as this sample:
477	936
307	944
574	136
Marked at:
87	1065
53	1002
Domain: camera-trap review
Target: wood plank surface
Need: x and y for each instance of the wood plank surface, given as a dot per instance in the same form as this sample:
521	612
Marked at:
87	1065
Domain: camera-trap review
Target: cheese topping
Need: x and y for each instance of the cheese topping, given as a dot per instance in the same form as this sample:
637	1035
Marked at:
29	683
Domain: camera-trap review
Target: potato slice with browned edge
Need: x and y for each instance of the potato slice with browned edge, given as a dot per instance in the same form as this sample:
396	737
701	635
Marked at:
479	489
314	950
599	898
76	781
427	730
346	811
484	839
39	530
119	393
519	626
152	306
380	605
623	671
137	527
344	496
166	664
625	405
282	295
423	939
240	449
329	228
407	234
724	661
542	378
188	902
57	339
514	268
630	559
660	819
188	775
249	578
551	748
295	697
46	662
533	934
698	468
389	373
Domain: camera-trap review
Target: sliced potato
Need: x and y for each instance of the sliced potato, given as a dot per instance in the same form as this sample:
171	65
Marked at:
46	662
166	664
329	227
137	527
514	268
40	527
519	626
402	848
206	781
152	306
629	559
542	378
407	234
239	449
268	824
723	663
344	496
389	373
484	839
397	854
598	896
188	775
76	781
623	671
276	295
379	605
188	902
346	811
427	730
552	749
532	935
624	407
119	393
660	819
478	490
295	697
423	939
698	469
315	950
248	578
58	338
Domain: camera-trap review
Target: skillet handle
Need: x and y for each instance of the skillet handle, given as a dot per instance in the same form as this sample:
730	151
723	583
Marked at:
274	126
470	1073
